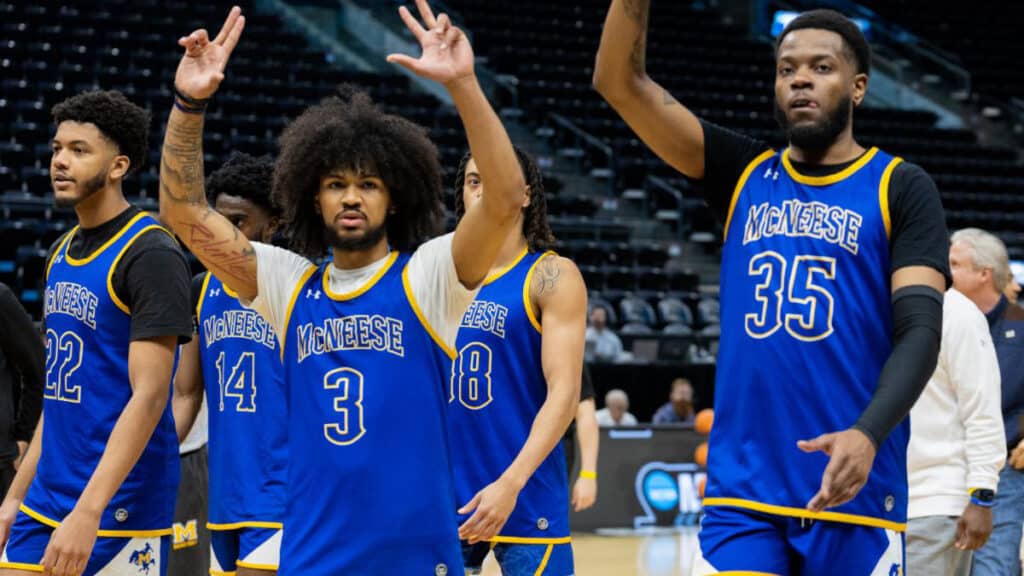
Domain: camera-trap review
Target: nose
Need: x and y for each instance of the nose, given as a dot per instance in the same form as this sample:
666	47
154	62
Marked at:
352	196
801	80
59	160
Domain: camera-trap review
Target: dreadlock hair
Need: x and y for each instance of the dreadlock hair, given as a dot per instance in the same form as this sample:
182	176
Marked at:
854	43
539	236
348	132
245	176
120	121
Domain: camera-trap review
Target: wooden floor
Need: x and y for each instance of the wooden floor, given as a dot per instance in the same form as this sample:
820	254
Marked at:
657	554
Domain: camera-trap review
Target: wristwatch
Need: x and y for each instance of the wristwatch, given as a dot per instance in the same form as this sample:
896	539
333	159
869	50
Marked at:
983	496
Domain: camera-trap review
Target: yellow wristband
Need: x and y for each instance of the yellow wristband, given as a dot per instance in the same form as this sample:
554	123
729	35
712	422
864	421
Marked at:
588	474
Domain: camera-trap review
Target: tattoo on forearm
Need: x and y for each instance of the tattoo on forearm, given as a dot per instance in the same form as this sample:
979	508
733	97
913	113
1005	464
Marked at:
637	10
181	162
221	253
545	279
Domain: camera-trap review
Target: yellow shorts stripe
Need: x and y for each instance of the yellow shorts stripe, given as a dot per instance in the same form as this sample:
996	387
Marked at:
101	533
525	540
187	544
220	573
20	566
246	524
803	513
544	561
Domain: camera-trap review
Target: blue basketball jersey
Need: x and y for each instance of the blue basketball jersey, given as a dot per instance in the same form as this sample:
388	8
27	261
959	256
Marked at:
369	483
245	392
497	387
807	316
87	388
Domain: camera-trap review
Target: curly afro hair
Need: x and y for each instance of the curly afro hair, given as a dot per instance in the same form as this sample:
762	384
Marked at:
245	176
349	132
123	123
539	236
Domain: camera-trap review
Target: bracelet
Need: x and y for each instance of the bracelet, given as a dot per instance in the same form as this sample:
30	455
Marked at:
588	474
193	102
180	106
981	504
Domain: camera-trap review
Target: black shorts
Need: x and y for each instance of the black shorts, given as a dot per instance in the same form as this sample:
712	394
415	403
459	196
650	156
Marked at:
190	555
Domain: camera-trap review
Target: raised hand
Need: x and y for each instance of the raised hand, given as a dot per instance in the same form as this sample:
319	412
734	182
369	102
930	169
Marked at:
201	69
446	54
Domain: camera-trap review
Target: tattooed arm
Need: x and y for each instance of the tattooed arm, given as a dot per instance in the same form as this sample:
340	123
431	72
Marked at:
559	300
183	206
620	76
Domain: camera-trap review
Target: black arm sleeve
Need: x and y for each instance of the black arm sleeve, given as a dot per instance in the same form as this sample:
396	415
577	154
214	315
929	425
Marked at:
197	290
917	332
919	235
586	384
726	155
23	348
153	280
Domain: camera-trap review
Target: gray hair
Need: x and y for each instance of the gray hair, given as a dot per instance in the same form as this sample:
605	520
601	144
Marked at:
987	251
616	394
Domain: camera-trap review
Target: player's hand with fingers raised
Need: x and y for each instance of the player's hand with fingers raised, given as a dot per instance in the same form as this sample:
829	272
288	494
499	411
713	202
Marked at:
584	493
491	508
201	69
974	527
71	544
446	56
851	455
8	512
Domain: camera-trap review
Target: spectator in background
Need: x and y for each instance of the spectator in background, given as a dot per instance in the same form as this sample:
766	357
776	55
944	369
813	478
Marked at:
1012	291
981	272
956	447
679	408
616	410
22	377
602	345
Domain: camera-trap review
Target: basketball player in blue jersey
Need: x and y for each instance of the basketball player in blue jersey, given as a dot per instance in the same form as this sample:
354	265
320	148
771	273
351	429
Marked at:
831	292
514	390
236	354
95	494
368	335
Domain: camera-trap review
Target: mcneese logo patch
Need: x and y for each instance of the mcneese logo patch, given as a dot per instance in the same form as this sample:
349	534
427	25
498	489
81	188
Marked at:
186	535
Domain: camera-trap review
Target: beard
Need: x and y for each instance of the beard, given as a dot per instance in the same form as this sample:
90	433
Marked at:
816	135
368	240
88	188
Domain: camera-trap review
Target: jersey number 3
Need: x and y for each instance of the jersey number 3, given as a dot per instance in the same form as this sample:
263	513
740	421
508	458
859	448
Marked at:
804	305
348	382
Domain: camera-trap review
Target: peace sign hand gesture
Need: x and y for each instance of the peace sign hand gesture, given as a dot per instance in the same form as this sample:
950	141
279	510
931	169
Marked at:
446	54
201	69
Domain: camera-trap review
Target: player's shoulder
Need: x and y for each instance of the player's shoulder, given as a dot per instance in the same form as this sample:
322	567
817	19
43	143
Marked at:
438	245
552	271
908	176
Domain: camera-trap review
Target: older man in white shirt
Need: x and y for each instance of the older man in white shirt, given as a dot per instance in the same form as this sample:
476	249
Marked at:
957	447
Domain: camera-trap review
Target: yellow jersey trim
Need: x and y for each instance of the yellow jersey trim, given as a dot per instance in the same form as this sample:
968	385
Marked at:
423	319
115	238
802	513
220	573
101	533
244	564
745	573
20	566
202	295
246	524
184	545
831	178
527	304
544	561
229	291
291	305
364	288
110	273
527	540
60	247
744	176
883	195
506	269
